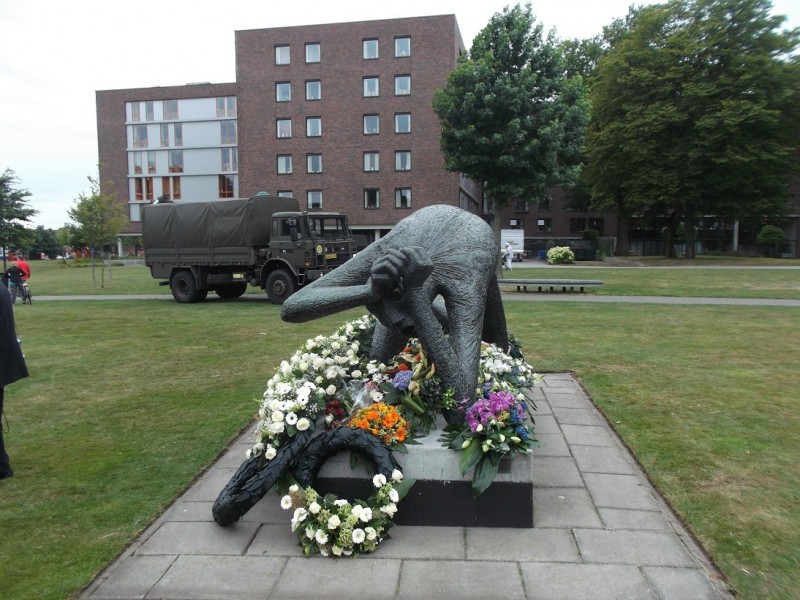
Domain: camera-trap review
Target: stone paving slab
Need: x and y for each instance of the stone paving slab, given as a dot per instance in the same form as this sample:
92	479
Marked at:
600	532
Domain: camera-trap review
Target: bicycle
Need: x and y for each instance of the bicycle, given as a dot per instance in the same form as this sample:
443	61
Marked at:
22	291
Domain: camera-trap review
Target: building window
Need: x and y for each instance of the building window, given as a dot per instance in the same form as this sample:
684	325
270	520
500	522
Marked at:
402	123
138	189
314	163
314	199
372	161
544	225
313	53
371	86
149	111
151	162
402	85
521	206
577	225
284	164
137	163
284	128
370	49
402	198
143	187
402	160
176	161
285	194
135	112
313	89
226	107
371	124
402	46
283	92
230	159
282	55
313	126
176	188
372	199
597	225
225	186
140	136
546	203
164	128
227	132
170	109
178	133
166	193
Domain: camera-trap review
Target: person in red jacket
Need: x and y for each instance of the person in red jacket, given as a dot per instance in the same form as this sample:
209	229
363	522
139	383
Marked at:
26	268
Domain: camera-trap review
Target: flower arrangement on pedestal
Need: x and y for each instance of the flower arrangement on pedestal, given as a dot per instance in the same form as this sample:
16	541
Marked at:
333	376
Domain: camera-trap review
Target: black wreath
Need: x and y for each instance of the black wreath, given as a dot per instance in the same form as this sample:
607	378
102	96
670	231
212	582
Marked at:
303	456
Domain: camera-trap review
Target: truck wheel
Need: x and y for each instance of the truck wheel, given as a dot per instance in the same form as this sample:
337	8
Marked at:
280	285
233	290
184	289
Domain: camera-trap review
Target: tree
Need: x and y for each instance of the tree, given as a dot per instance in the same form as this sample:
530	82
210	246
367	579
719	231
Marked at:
510	117
13	214
99	219
696	112
45	242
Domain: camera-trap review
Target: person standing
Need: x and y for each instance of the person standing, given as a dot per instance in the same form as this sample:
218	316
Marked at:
26	268
15	276
12	366
508	254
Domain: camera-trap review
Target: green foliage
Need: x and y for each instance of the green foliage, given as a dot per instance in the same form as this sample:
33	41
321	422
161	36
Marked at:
560	255
14	213
772	238
99	217
591	234
510	117
696	110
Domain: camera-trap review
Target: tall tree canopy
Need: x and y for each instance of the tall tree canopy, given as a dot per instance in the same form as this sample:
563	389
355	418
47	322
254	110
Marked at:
14	213
510	116
695	111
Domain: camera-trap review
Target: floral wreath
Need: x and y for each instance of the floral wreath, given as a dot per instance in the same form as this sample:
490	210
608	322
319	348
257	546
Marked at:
395	402
331	526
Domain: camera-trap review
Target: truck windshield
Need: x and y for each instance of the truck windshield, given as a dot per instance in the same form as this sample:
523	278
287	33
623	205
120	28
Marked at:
329	227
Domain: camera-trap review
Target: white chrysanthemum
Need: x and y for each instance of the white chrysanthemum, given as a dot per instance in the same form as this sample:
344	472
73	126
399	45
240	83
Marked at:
291	418
366	515
303	424
379	480
286	502
358	536
321	536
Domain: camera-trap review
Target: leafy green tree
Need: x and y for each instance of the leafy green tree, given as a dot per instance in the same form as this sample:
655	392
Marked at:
45	241
510	117
14	213
695	111
99	219
772	239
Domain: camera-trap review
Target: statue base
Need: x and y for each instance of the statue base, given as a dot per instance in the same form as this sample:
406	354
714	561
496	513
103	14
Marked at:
441	496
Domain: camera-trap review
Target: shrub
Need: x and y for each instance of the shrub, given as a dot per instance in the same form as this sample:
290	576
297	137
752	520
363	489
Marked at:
772	239
560	255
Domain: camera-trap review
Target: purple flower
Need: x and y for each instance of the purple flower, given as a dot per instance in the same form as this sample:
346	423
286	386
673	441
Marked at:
401	380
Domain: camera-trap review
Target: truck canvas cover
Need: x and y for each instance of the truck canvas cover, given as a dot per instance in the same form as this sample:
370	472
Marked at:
215	224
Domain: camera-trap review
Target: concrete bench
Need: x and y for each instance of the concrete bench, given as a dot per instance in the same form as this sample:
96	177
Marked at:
551	285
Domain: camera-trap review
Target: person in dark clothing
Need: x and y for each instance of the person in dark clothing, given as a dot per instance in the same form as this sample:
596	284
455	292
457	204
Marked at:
12	365
15	276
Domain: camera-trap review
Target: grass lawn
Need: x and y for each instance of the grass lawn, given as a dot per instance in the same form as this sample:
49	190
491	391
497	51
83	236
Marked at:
129	400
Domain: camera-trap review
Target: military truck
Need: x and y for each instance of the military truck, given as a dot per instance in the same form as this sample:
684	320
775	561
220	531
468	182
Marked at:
224	245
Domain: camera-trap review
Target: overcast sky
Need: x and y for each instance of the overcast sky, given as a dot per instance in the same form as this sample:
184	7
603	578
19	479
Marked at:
54	55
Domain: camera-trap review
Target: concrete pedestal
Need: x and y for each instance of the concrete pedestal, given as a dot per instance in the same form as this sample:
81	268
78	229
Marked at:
441	496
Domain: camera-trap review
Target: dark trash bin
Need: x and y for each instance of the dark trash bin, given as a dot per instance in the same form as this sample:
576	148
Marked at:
542	254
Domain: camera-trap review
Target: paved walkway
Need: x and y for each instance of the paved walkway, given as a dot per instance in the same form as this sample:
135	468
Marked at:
601	532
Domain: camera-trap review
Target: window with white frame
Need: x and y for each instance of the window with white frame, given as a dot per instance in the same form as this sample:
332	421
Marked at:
170	108
314	199
137	163
284	164
372	198
149	111
284	128
282	55
176	161
135	111
402	85
151	163
402	198
370	49
226	107
313	89
283	91
178	133
140	136
402	160
402	123
313	126
314	163
284	194
371	124
313	52
371	86
164	129
372	161
227	132
402	46
229	158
